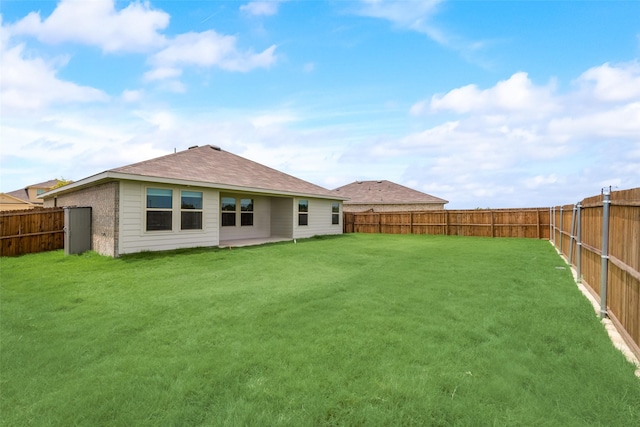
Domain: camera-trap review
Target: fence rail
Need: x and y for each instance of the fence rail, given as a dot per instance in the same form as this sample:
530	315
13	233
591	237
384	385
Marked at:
603	244
25	232
531	222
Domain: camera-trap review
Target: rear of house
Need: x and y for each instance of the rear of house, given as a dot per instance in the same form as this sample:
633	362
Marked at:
200	197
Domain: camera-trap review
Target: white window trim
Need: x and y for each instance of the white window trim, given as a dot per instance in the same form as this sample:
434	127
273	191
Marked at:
235	212
302	213
191	230
146	209
335	213
252	211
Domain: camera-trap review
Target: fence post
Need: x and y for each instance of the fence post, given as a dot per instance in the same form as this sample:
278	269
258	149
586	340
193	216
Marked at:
604	269
561	208
493	233
554	227
552	236
579	242
411	222
571	234
446	223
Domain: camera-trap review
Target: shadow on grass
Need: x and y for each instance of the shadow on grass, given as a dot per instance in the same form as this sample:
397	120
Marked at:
155	255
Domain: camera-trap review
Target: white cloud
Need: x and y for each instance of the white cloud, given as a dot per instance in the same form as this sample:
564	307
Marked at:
131	95
264	8
162	73
160	120
541	180
516	94
416	15
272	119
617	83
208	49
618	122
516	134
98	23
31	83
412	14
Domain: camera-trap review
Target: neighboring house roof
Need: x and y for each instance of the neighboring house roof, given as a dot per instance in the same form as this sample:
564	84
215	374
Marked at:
23	193
384	192
47	184
209	166
11	198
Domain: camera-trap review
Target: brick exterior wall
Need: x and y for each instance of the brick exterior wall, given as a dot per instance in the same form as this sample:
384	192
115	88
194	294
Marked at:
104	200
415	207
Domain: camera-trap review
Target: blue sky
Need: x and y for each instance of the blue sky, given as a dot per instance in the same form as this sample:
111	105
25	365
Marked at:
483	103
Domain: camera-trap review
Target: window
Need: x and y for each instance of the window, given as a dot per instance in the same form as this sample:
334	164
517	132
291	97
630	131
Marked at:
303	212
335	213
159	209
228	212
39	191
246	212
191	210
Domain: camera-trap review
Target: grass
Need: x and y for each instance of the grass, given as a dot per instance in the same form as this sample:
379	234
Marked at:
353	330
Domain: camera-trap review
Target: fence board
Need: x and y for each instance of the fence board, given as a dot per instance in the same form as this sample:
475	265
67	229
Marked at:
25	232
531	223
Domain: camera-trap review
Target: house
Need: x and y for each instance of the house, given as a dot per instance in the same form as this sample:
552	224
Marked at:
386	196
26	198
203	196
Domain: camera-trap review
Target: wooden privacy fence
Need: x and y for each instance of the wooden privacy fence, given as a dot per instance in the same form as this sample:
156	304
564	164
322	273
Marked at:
31	231
531	222
600	237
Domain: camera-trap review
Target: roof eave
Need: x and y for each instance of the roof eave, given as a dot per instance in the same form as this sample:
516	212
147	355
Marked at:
111	176
22	201
400	203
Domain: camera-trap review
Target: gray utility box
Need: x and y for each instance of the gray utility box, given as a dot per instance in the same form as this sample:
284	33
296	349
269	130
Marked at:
77	230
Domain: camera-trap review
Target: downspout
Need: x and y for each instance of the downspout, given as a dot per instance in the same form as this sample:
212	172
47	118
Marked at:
604	269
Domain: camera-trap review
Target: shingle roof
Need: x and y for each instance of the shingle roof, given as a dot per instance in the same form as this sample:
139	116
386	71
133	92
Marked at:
384	192
47	184
211	165
23	193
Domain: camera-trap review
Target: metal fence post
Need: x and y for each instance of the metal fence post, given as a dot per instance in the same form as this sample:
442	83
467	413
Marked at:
561	208
571	234
553	221
604	269
579	242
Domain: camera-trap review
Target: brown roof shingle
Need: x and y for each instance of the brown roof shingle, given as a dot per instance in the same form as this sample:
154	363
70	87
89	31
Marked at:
212	165
23	193
384	192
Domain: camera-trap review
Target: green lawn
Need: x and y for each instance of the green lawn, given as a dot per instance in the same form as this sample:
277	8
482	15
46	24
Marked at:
352	330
